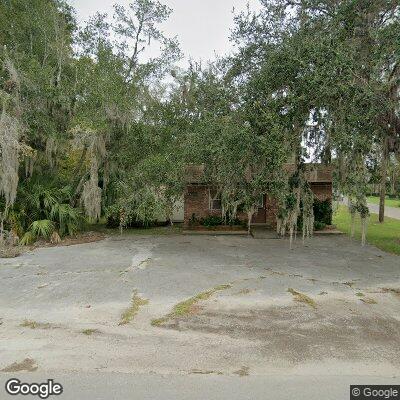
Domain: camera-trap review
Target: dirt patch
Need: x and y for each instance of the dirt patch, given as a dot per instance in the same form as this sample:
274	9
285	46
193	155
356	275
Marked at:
27	365
10	251
302	298
188	306
86	237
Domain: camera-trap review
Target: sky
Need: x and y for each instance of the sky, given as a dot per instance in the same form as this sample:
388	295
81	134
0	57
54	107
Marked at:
202	26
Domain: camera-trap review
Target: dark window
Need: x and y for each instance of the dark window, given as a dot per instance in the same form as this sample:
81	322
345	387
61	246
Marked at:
215	200
261	202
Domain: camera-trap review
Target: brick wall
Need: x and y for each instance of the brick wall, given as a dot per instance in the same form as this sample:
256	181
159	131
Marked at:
271	211
322	191
196	202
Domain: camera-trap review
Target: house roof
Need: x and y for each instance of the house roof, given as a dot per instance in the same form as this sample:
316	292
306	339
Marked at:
195	173
315	173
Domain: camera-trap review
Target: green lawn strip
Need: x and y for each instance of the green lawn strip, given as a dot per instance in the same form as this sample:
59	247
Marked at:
385	236
184	307
388	202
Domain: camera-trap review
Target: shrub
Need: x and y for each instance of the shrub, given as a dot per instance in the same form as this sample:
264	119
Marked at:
38	229
322	214
193	220
129	217
323	211
211	220
68	219
319	226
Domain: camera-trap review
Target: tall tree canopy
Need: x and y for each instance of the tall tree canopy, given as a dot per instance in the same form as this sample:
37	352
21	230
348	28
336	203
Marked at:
90	125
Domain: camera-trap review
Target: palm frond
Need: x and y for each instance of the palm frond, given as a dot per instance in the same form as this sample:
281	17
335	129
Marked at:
42	228
28	238
67	217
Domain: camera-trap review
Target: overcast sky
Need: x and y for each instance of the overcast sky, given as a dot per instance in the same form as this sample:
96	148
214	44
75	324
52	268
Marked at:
202	26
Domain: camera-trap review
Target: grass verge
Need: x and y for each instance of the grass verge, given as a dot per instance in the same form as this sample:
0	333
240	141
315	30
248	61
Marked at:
183	308
388	202
385	236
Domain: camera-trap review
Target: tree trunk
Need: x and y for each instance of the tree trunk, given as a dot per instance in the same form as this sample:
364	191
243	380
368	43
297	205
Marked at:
382	189
363	230
74	198
249	217
352	224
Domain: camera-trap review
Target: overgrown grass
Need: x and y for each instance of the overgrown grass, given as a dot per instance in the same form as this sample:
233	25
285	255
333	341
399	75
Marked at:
302	298
183	308
35	325
129	314
89	332
388	202
385	236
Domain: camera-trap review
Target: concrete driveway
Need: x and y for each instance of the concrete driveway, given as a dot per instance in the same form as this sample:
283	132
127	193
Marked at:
231	307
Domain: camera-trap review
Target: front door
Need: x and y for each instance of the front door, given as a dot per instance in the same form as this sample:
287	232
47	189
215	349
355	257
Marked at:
260	217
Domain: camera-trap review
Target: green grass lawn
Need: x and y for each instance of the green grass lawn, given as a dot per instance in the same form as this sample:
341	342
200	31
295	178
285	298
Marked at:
388	202
385	236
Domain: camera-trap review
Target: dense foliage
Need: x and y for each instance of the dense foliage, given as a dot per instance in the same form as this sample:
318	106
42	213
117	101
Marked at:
90	126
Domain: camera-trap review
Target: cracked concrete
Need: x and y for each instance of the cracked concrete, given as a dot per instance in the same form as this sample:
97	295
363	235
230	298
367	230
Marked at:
252	328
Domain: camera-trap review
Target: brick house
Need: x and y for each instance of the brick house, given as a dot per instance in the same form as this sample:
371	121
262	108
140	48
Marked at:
201	200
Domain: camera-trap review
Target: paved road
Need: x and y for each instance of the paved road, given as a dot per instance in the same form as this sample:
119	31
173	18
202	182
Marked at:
391	212
106	386
272	323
